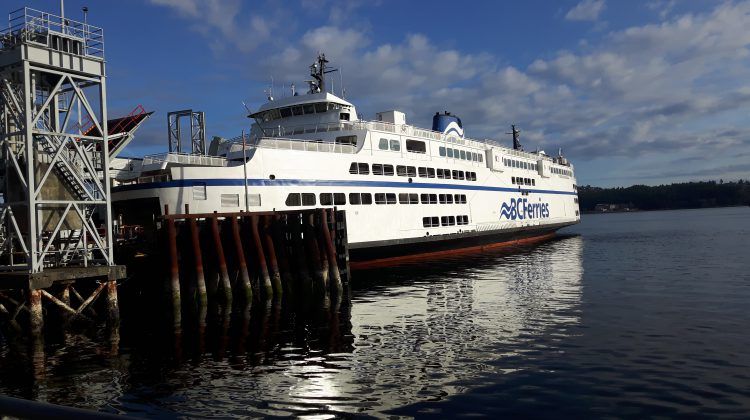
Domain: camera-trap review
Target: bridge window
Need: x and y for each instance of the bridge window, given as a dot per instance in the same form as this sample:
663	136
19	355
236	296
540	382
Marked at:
308	108
416	146
383	144
450	152
463	154
442	151
297	110
320	107
285	112
395	145
481	158
348	140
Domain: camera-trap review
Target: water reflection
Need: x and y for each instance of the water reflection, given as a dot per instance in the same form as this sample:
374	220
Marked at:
417	333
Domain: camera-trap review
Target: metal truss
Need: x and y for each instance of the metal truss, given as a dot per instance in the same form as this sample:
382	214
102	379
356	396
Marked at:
197	131
55	157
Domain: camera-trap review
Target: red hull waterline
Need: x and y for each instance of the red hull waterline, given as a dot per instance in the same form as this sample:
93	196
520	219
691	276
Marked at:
413	258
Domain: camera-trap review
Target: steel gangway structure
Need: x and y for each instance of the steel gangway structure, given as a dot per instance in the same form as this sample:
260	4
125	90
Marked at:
55	148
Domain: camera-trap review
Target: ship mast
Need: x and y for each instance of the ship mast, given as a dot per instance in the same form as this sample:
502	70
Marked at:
318	70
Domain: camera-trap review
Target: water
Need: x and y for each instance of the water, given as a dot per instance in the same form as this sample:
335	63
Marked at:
642	314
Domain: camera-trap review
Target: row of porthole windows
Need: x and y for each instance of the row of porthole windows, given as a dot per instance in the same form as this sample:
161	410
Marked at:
411	171
435	221
339	199
561	171
523	181
512	163
460	154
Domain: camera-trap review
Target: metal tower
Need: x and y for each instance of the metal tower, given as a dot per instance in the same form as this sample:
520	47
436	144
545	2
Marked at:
197	131
54	167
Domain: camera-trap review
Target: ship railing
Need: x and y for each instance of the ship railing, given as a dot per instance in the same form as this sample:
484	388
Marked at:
295	144
184	159
34	26
402	129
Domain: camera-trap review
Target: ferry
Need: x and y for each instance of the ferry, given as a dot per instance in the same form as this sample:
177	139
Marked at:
407	192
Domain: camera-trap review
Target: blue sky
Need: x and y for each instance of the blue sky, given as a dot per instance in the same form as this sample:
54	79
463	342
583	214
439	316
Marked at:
644	92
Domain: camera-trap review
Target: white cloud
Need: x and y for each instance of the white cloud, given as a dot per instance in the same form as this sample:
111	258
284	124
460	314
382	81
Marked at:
677	86
586	10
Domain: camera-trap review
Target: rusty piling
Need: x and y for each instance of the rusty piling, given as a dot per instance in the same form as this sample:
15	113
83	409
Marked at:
244	280
271	290
221	262
174	270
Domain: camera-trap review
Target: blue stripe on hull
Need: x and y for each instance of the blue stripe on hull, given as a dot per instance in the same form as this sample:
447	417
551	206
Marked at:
226	182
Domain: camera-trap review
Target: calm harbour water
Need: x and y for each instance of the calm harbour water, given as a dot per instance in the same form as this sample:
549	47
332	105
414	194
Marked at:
631	315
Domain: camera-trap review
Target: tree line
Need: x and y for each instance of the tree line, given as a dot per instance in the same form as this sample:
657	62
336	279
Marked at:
689	195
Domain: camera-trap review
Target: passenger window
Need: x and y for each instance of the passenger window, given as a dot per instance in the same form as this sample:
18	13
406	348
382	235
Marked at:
403	198
460	174
395	145
440	173
339	199
422	172
366	198
326	199
430	172
481	158
388	170
377	169
463	154
390	198
448	199
401	170
413	198
308	199
293	199
416	146
383	144
364	169
411	171
353	168
354	199
379	198
455	174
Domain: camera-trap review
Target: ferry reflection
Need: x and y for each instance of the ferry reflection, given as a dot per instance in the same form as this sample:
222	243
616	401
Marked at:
416	333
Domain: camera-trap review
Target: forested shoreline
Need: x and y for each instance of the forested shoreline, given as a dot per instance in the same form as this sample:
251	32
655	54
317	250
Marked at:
689	195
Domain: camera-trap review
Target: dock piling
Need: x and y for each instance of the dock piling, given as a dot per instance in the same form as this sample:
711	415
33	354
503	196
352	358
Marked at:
221	262
244	277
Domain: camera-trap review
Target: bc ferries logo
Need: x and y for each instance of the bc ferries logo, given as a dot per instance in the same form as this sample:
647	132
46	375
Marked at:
520	209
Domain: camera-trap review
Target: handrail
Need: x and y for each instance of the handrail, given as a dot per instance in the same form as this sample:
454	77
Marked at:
27	24
403	129
184	158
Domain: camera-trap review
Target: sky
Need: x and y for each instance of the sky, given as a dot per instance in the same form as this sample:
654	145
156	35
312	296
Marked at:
634	92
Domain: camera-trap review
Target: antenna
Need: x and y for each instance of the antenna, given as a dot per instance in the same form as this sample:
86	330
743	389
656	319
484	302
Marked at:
294	92
341	82
246	108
